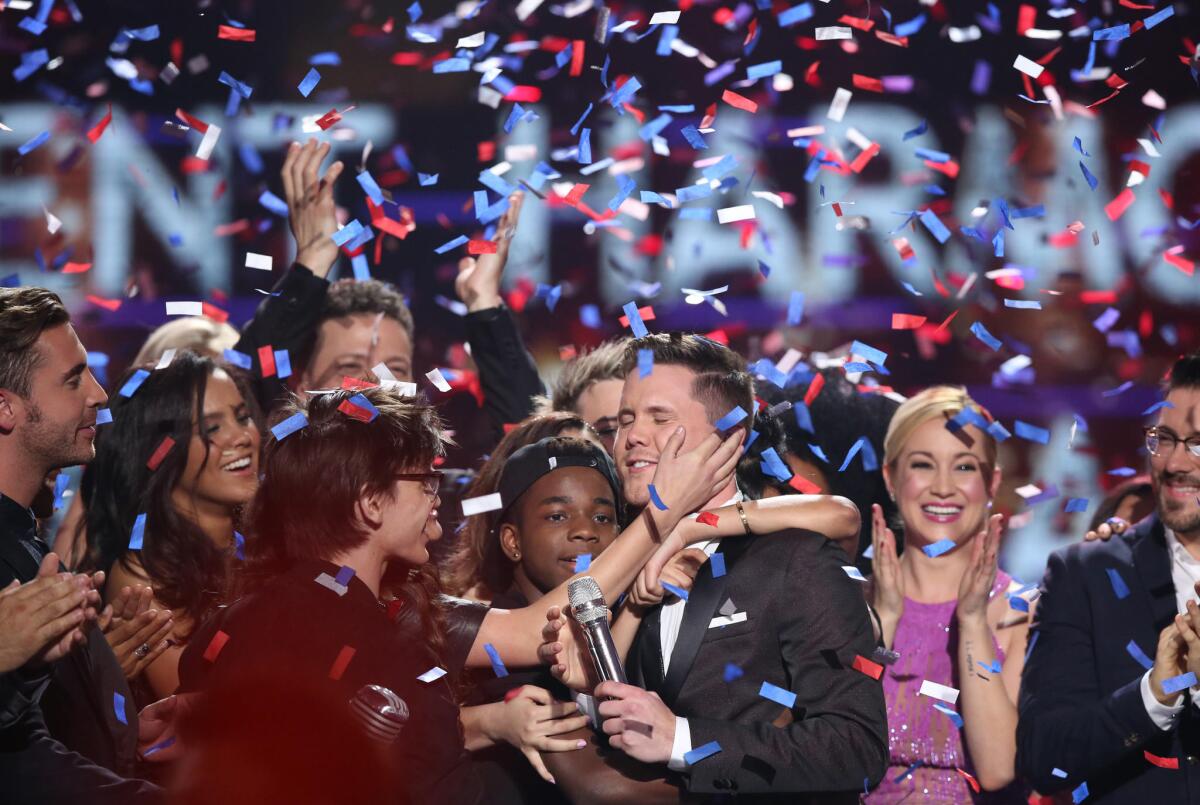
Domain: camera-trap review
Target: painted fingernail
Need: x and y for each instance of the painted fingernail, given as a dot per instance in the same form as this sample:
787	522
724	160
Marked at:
580	743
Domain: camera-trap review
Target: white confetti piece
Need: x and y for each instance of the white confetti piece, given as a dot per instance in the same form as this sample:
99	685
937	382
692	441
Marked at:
165	360
185	309
854	573
667	17
1028	491
766	195
527	7
209	142
841	101
481	504
834	32
262	262
472	41
742	212
439	382
53	224
1028	66
941	692
432	675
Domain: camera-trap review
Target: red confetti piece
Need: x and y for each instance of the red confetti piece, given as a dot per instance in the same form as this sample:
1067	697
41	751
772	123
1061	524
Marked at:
266	359
95	131
906	321
524	94
481	247
892	39
941	327
354	411
647	314
871	669
354	384
1162	762
329	120
1116	208
814	388
720	336
215	645
857	22
860	161
867	83
1026	18
739	101
567	352
971	781
512	694
213	312
803	485
235	34
576	195
195	122
708	518
1172	256
108	304
396	604
160	453
76	268
577	53
343	659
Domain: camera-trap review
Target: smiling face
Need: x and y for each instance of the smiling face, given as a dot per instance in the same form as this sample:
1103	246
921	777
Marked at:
652	407
56	424
941	486
599	405
1175	475
410	521
566	513
350	345
222	472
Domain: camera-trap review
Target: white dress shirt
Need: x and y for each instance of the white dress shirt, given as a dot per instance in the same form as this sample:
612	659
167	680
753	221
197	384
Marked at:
1185	572
671	619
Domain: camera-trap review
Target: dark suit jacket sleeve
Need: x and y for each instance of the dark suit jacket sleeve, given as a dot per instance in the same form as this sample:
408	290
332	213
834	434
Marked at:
19	690
839	737
1064	721
288	321
507	373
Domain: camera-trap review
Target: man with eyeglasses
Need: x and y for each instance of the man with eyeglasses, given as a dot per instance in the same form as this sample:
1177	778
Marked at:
1110	705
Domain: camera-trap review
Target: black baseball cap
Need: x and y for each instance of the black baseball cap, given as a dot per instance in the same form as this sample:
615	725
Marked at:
524	467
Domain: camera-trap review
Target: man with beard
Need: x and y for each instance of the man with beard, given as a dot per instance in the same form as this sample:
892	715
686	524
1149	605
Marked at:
1095	709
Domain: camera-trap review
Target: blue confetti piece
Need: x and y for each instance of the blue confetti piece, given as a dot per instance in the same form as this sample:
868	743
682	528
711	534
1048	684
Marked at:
344	575
451	244
1136	652
981	332
238	359
993	666
289	426
328	58
635	319
242	89
583	562
733	672
1156	407
938	548
1158	16
948	711
626	186
359	401
32	25
1075	505
935	226
134	383
1114	33
701	752
795	310
678	592
34	142
589	316
730	419
283	363
457	65
757	71
655	499
1031	433
869	352
497	663
1120	590
852	452
803	416
1178	683
30	63
240	549
371	187
1057	772
1123	472
907	772
1081	793
585	147
427	179
1018	603
273	203
778	695
119	707
347	232
773	465
104	416
694	138
138	533
796	14
717	561
414	12
579	122
158	747
61	482
1087	175
645	360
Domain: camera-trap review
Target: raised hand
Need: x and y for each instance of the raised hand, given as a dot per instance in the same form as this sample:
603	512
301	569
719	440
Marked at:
1188	625
563	650
530	719
685	481
1170	661
975	588
312	213
42	619
157	724
680	571
887	582
136	633
1112	527
478	280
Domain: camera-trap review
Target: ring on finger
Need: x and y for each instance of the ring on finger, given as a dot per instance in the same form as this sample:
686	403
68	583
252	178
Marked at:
141	651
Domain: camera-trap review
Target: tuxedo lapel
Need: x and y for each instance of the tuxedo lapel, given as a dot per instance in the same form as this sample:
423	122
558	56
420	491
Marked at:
1152	562
649	658
706	596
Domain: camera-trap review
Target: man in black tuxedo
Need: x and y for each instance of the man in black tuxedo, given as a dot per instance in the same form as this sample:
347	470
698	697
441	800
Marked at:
48	404
749	682
1102	702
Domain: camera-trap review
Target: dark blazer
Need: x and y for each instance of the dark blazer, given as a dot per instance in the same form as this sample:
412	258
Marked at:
1081	707
507	374
79	756
805	622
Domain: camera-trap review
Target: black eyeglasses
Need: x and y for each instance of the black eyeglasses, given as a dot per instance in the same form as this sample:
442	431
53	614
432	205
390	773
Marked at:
1162	442
431	480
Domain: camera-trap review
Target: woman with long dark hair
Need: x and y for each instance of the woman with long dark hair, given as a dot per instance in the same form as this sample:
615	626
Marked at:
163	497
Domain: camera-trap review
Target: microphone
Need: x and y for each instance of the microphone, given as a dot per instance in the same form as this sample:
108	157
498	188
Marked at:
380	711
590	611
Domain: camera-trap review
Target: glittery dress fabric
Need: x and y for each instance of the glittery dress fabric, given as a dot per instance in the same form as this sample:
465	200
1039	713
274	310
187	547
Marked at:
927	642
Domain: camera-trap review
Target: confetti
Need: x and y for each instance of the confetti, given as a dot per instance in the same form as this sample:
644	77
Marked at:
871	669
1120	590
342	662
731	419
215	645
938	691
481	504
260	261
655	499
287	427
778	695
160	452
1161	762
497	664
432	675
938	548
309	82
678	592
1136	652
717	562
1178	683
701	752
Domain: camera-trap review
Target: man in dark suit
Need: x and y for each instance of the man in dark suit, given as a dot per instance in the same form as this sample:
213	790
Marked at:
750	684
48	404
1104	696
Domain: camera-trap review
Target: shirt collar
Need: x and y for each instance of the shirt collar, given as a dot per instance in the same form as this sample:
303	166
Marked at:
1178	551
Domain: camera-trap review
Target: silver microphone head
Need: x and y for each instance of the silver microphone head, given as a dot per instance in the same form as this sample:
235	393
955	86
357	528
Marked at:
587	601
380	711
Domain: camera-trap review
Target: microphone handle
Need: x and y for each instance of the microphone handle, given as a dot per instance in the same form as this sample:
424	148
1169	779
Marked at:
604	653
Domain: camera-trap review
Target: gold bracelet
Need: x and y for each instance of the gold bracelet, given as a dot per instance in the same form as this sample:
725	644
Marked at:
745	522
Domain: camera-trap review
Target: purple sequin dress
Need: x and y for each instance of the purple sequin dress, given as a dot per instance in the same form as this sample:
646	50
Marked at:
927	642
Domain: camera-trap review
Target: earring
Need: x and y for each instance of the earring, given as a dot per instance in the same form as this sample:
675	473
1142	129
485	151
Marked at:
516	555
